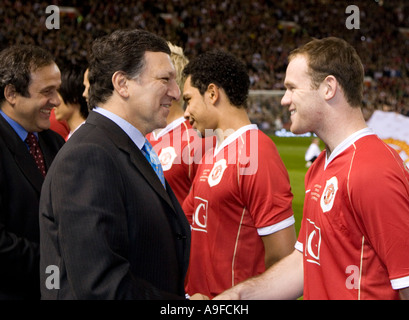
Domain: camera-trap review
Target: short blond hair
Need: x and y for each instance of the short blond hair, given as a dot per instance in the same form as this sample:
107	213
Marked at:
179	60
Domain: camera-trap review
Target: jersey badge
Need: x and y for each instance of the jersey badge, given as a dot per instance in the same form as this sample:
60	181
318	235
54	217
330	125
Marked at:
329	193
166	157
217	172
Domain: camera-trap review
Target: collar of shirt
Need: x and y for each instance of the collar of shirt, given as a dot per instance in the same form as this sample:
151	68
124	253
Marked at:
233	137
133	133
161	132
347	143
21	132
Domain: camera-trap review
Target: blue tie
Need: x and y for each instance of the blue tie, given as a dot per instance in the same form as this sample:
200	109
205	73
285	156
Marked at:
153	159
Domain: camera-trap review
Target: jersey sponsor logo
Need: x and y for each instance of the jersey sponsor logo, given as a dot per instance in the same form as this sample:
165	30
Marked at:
217	172
329	193
313	243
199	222
167	157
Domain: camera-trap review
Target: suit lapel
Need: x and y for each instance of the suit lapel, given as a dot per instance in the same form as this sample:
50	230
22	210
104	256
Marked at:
29	169
21	155
123	142
140	162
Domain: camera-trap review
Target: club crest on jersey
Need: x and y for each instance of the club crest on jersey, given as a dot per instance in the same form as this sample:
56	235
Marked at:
217	172
329	193
166	157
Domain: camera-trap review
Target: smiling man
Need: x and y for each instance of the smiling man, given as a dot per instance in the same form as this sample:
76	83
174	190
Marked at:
353	238
29	79
108	221
240	200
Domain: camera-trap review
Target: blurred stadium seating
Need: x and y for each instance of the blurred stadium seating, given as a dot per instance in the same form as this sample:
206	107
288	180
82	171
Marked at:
261	32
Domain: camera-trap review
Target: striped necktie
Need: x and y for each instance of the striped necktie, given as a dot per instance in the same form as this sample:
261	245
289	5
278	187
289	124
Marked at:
153	160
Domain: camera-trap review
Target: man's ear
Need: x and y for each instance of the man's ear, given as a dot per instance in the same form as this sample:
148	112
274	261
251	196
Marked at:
120	83
330	87
213	93
10	94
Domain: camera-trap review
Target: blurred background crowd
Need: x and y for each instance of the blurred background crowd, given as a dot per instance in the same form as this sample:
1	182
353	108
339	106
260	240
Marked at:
260	32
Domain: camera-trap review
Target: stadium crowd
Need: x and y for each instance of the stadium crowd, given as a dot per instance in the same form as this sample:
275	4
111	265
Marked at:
260	32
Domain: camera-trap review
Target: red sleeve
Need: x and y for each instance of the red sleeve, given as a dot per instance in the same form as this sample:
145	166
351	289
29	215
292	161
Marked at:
264	181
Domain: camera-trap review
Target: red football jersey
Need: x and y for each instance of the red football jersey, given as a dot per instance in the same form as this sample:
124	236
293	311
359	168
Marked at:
241	192
355	229
180	150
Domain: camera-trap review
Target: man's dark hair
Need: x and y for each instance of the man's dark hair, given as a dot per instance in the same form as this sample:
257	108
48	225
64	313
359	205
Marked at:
72	86
222	69
122	50
16	65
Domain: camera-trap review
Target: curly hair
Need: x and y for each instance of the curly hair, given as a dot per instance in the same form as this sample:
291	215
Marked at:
222	69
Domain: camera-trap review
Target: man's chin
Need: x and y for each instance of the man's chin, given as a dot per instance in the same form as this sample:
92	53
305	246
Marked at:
45	125
296	130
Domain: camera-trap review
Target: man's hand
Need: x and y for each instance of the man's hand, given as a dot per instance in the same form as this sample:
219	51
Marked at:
199	296
230	294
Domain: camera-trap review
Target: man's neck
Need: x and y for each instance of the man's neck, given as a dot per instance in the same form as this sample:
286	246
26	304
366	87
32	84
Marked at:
341	130
231	122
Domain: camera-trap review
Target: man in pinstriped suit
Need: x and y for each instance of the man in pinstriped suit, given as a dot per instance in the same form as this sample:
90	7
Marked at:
108	226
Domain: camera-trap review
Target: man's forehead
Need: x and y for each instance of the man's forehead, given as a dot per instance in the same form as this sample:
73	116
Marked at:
46	75
187	87
159	60
44	71
298	62
297	67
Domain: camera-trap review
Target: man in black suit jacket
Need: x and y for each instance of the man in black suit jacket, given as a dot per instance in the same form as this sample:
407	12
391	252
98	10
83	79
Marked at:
29	80
109	228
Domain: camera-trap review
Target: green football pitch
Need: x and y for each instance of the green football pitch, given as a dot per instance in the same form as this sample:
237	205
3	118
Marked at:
292	151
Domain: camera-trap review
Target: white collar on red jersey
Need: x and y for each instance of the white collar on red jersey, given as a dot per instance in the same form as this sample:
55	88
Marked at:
171	126
233	137
347	143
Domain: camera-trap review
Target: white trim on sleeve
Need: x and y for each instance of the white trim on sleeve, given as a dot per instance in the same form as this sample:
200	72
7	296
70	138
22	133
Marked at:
299	246
276	227
400	283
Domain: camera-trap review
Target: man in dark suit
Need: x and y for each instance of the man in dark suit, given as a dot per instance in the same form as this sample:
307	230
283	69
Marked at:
29	79
109	228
